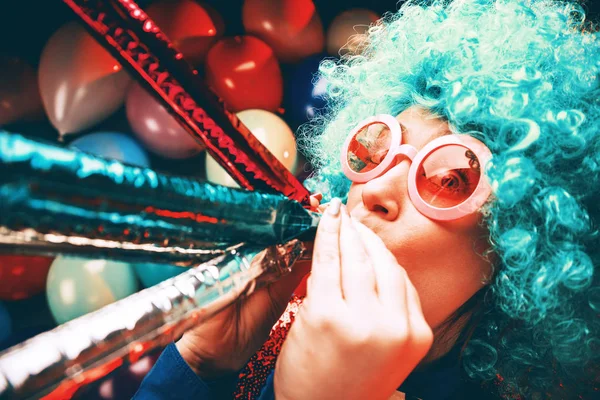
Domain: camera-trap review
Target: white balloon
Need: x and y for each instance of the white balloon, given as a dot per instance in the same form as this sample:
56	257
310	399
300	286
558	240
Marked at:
347	31
80	82
77	286
272	132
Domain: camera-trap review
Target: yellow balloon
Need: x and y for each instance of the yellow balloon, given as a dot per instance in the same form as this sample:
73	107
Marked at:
347	32
272	132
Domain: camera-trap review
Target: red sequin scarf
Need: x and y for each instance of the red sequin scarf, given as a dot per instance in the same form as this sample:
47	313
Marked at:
254	375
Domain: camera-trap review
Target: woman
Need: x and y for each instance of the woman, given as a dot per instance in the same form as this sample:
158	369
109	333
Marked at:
485	110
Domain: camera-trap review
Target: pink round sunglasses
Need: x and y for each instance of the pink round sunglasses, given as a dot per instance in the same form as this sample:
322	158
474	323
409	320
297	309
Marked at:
445	179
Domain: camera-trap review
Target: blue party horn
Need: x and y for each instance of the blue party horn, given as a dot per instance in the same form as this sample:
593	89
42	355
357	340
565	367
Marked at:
55	200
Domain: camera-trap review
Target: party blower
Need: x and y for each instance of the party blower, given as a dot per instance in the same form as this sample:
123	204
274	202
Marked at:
55	364
61	201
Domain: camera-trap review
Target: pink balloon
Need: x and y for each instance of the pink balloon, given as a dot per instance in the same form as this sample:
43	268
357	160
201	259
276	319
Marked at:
158	130
193	27
80	82
292	28
19	95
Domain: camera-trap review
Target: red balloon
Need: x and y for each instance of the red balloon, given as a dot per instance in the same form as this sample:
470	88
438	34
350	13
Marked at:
245	73
22	276
292	28
192	27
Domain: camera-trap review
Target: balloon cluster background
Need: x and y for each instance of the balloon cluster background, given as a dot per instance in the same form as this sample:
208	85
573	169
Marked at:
57	83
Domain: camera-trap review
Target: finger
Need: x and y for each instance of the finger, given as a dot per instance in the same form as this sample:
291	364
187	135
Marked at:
421	333
315	200
314	203
325	282
358	277
390	277
322	207
396	290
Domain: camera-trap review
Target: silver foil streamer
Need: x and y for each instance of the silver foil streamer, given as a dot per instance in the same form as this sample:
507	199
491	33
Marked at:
57	363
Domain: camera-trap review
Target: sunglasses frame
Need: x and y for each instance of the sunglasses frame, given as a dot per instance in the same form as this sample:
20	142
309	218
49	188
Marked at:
469	206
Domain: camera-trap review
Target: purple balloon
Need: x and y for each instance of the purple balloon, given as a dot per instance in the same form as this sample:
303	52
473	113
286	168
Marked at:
156	128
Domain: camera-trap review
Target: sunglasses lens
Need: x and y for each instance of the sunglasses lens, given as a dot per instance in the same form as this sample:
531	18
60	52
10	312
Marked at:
369	147
448	176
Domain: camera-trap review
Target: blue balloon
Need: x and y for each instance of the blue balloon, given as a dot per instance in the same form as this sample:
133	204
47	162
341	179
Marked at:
304	94
153	274
5	323
117	146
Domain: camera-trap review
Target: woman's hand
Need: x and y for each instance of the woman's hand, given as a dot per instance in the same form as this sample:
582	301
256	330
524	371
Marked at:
315	203
224	343
361	330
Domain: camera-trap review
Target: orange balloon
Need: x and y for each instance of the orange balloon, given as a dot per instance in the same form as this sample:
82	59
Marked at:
348	31
245	73
80	82
192	27
19	94
22	276
292	28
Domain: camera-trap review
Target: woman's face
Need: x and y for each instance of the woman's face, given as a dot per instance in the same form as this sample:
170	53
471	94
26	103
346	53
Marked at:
442	258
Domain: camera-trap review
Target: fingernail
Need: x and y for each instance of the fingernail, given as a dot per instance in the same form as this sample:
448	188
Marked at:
334	206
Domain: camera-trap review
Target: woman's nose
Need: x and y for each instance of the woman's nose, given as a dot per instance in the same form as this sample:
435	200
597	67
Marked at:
385	194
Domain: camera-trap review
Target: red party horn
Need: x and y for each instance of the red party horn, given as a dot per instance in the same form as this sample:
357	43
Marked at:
139	45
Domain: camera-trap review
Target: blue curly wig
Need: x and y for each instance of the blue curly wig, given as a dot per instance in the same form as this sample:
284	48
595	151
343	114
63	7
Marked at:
523	77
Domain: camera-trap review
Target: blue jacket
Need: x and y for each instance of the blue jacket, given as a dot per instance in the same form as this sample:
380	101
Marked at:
172	378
